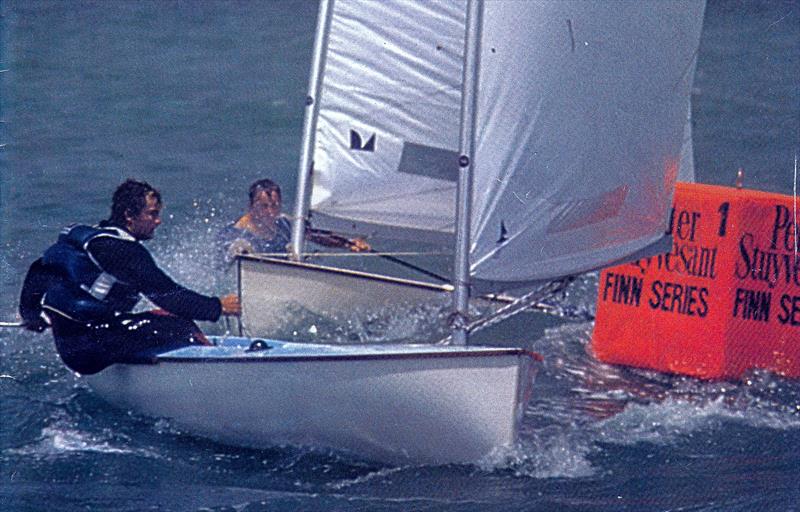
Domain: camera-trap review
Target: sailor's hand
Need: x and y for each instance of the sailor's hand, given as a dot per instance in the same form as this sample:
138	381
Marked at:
359	245
231	305
240	246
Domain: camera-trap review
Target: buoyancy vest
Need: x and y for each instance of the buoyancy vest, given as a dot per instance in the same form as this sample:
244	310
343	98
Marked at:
85	292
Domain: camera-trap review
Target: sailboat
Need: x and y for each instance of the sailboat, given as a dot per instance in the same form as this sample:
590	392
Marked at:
540	139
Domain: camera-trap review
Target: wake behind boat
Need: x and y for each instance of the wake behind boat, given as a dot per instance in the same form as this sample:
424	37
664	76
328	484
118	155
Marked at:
431	404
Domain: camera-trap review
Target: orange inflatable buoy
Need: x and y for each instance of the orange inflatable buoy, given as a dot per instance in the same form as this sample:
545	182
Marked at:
725	300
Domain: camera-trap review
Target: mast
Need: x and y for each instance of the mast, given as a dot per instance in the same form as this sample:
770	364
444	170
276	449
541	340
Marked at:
466	164
301	205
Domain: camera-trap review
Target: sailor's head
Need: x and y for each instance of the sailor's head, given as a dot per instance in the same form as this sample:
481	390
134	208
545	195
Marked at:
136	206
265	200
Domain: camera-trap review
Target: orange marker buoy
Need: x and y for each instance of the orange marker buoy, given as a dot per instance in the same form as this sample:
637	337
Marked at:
726	299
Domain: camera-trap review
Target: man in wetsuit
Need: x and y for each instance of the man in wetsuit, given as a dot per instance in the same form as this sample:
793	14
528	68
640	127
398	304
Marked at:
88	282
264	230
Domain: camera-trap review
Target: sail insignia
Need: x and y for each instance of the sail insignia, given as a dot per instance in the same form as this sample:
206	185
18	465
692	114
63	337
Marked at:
356	143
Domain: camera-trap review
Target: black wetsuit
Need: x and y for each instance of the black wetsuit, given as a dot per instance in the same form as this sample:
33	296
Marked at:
90	346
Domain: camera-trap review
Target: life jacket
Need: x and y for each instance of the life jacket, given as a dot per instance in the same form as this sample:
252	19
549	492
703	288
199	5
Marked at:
85	292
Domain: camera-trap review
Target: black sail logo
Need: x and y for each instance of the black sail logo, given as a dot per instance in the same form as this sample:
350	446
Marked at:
356	143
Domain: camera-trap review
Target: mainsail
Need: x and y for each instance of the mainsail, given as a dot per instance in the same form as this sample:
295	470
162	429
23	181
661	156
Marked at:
581	113
387	132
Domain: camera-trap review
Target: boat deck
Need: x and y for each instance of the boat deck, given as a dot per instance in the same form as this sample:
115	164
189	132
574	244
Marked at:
250	349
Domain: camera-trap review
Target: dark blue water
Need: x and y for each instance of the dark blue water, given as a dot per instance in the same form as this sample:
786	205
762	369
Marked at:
201	99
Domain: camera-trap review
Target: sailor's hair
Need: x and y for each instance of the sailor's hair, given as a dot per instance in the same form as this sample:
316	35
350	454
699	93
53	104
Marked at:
265	185
130	199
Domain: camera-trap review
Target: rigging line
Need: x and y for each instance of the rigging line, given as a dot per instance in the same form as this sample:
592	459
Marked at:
531	299
794	196
283	255
687	69
518	305
371	253
345	242
411	266
778	20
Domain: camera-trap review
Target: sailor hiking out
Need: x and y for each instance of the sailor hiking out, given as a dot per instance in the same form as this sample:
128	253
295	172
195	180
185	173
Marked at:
87	283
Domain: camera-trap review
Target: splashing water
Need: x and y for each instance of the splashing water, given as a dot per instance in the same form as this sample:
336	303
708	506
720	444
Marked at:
402	323
60	439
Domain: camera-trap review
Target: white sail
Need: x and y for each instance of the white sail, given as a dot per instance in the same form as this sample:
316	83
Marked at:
387	130
581	116
582	108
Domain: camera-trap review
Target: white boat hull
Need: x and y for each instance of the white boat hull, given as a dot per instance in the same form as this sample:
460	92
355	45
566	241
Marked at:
269	287
402	402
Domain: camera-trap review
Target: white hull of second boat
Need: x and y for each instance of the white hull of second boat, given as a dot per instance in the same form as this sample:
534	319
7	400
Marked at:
403	402
270	287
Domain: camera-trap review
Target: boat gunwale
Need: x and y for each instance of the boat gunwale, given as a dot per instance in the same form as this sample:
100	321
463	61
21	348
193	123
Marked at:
445	288
489	352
